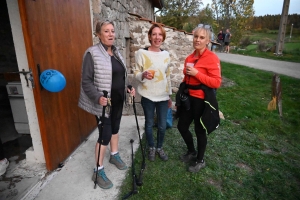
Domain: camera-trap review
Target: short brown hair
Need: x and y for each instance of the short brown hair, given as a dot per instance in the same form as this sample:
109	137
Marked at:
158	26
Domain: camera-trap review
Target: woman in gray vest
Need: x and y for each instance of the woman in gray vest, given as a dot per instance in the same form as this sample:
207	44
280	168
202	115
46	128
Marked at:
103	68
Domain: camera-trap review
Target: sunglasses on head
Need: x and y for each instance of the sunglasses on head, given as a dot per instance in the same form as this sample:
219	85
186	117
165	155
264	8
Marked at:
206	26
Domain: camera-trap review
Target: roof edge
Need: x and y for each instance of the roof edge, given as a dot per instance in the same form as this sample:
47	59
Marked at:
158	4
152	22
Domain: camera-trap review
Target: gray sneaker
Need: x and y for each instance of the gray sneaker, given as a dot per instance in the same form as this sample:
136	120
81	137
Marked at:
197	166
116	160
3	165
151	154
102	179
189	156
162	154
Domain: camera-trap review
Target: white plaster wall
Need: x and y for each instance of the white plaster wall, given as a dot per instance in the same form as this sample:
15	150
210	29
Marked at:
36	152
91	14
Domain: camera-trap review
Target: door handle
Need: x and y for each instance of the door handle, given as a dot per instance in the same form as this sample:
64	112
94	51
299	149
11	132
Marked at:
31	80
25	73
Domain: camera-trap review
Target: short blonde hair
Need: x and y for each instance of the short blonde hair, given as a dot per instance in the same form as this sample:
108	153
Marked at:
206	30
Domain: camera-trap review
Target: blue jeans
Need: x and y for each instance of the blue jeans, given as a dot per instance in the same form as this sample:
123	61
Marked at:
161	108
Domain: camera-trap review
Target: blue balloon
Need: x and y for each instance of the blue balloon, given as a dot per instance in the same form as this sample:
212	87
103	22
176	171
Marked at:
52	80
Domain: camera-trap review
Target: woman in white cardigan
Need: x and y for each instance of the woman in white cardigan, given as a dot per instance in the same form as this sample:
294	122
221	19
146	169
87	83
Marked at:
152	70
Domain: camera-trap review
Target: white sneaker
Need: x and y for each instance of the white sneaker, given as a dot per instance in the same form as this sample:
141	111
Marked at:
3	165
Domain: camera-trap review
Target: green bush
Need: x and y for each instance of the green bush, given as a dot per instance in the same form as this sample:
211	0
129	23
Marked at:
263	30
245	41
262	45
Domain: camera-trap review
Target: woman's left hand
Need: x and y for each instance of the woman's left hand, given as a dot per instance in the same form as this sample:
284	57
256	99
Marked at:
170	103
132	91
191	71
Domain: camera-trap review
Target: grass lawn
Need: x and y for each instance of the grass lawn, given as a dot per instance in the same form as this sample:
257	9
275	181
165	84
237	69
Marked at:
292	46
253	155
291	51
258	36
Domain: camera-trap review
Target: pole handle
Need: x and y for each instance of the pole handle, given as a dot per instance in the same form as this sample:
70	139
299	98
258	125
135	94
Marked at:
105	93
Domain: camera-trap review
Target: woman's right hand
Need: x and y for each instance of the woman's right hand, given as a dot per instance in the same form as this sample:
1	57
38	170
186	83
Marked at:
103	101
147	75
191	71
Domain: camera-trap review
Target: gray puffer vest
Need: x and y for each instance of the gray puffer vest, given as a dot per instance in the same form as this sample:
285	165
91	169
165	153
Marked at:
102	77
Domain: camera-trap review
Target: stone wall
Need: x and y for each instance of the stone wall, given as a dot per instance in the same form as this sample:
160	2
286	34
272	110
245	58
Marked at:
117	11
177	43
132	34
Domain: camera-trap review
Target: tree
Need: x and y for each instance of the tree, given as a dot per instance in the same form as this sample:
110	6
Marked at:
234	14
206	16
177	13
221	14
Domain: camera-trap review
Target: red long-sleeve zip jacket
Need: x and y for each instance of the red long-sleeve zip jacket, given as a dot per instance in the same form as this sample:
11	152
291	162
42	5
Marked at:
209	72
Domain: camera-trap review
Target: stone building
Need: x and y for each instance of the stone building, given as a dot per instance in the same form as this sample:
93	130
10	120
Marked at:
54	34
133	20
178	43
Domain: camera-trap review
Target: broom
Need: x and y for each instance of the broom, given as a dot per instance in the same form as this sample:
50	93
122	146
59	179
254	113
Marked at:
272	104
276	95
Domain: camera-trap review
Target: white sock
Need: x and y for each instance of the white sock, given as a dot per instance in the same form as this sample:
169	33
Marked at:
101	167
113	153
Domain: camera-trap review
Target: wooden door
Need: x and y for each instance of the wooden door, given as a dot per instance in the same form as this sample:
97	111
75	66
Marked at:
56	33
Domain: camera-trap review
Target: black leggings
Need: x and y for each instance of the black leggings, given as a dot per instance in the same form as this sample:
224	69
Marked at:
185	120
111	125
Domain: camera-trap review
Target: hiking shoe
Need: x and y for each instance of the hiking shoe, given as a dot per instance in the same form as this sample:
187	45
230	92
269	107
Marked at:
116	160
3	165
151	154
189	156
162	154
102	179
197	166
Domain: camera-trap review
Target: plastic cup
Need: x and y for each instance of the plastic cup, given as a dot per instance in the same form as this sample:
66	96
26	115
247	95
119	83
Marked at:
190	64
152	72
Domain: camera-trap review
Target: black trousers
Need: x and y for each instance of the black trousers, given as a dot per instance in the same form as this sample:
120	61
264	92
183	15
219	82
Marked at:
111	125
185	120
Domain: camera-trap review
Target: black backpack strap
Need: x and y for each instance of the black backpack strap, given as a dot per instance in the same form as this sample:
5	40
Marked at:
194	87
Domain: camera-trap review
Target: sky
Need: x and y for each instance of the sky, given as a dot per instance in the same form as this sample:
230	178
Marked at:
271	7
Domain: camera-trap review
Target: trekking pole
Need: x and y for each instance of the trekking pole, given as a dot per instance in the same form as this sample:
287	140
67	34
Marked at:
134	188
101	120
143	166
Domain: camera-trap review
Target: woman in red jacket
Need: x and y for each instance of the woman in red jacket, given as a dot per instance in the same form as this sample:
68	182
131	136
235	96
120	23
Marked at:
200	67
